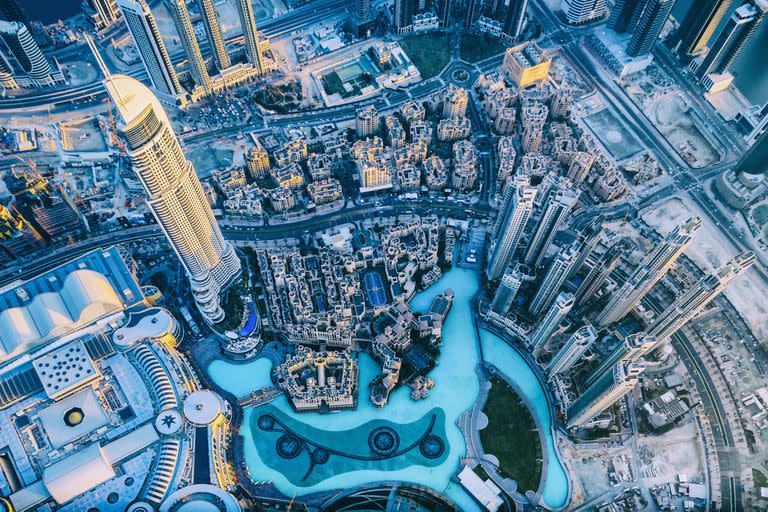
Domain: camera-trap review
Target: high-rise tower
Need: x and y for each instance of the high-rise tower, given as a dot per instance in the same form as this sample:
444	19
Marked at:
186	33
699	24
101	13
554	278
605	392
575	347
508	287
213	31
11	10
556	210
579	12
512	18
755	160
520	196
622	13
733	38
141	24
176	197
693	300
651	20
18	46
250	34
473	6
599	273
547	325
630	349
404	11
649	271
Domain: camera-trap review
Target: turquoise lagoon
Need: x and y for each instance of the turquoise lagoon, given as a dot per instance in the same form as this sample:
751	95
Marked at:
455	392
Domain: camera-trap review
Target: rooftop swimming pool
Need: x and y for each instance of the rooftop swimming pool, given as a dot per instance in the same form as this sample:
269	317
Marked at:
416	441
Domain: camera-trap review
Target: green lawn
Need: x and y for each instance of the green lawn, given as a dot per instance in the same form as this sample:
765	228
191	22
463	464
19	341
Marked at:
428	52
760	214
476	47
233	306
333	83
511	436
760	479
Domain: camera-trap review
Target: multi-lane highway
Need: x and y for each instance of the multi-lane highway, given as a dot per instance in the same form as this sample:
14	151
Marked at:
244	231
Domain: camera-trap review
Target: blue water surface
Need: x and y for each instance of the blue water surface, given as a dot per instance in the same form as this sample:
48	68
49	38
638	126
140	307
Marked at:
456	390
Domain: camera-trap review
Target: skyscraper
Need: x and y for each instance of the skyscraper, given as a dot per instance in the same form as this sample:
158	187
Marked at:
603	393
521	196
20	50
550	322
11	10
362	18
649	24
507	290
554	278
446	6
186	33
649	271
473	6
579	12
512	17
622	13
176	197
575	347
556	210
698	26
141	24
733	38
101	13
362	9
213	31
693	300
600	271
755	160
404	11
250	34
630	349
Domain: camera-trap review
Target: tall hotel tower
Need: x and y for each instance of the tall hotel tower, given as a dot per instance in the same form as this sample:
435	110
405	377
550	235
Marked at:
693	300
699	25
141	24
186	32
213	31
250	34
605	392
514	214
649	271
176	197
734	36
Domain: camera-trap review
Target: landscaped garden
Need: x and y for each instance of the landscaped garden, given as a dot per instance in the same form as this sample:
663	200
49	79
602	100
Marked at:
477	47
428	52
508	419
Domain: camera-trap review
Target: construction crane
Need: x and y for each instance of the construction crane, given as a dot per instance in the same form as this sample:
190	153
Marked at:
113	137
34	184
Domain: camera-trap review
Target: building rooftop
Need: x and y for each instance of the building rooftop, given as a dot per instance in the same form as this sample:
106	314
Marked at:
64	299
72	418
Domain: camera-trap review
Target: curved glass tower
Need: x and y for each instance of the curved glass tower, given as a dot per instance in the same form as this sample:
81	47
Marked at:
176	197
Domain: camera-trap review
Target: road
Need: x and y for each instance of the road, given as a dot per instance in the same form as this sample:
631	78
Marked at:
632	117
289	22
240	230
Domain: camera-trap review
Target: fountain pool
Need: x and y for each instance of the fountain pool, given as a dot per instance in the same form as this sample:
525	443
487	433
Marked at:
456	390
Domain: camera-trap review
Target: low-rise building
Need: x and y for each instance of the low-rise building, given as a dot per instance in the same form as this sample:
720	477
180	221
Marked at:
325	191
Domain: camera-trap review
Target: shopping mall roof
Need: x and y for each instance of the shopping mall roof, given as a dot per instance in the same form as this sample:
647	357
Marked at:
64	299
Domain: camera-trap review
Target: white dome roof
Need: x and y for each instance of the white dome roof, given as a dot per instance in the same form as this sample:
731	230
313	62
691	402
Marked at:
84	297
